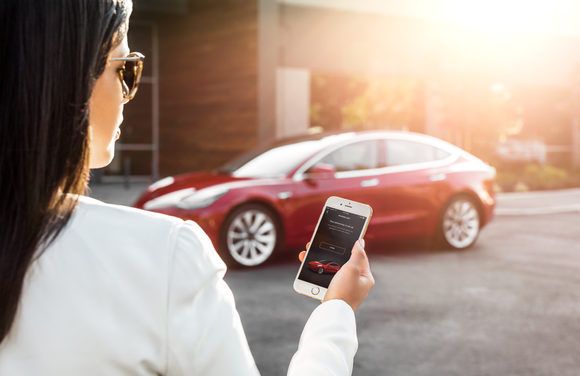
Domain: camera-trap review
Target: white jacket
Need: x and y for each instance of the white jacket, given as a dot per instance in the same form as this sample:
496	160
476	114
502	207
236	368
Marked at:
127	292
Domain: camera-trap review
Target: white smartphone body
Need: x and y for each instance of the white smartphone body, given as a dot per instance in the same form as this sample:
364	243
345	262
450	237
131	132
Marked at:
341	223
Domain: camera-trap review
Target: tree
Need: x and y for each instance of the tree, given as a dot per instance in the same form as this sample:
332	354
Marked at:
355	102
475	105
386	104
329	94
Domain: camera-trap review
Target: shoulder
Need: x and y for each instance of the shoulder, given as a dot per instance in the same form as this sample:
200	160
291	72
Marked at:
93	218
97	210
122	227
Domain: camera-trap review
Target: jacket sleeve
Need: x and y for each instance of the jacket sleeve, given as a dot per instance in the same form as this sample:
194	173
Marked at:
204	331
328	342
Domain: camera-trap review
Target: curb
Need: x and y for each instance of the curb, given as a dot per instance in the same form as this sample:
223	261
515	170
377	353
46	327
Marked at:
536	194
537	211
513	197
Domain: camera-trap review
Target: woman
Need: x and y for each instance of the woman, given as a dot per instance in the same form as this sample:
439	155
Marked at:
88	288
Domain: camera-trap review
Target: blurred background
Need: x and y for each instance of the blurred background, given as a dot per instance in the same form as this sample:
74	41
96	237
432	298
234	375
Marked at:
500	79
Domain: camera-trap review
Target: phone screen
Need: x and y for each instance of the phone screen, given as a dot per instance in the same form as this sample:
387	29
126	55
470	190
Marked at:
332	245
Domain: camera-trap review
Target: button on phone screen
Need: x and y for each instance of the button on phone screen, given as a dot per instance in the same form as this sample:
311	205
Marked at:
332	245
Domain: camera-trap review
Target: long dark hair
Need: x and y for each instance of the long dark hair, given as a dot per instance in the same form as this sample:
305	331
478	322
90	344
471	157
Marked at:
51	53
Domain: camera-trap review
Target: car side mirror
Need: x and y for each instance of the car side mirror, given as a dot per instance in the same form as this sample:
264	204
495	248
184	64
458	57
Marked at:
321	171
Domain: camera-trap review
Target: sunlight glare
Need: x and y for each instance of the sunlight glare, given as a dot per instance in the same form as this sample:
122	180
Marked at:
538	16
560	17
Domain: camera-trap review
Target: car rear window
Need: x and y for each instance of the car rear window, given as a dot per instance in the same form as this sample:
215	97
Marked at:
401	152
357	156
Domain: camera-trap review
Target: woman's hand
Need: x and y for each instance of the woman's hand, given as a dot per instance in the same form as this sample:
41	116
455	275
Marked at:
353	281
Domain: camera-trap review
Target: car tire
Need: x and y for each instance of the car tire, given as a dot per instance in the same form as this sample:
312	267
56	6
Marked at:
249	236
459	223
320	270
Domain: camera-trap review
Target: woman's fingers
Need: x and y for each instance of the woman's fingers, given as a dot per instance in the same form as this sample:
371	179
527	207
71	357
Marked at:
354	280
303	253
358	256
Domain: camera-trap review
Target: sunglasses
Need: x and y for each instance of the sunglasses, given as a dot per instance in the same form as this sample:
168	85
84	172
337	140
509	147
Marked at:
130	74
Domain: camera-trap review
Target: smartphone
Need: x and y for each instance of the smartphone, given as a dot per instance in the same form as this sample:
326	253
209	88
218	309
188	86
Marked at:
341	223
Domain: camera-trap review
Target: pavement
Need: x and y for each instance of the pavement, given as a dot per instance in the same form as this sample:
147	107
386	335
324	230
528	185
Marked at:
117	193
508	306
538	202
508	204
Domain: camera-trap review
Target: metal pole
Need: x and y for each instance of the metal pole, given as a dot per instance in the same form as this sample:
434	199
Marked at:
127	172
576	140
575	99
155	109
268	50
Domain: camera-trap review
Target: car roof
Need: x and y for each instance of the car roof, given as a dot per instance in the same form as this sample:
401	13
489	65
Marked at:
335	139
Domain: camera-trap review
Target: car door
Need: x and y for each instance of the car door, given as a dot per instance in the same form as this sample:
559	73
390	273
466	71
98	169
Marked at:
353	174
410	185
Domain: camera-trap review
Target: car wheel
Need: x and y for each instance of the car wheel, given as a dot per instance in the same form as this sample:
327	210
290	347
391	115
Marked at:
249	236
459	223
320	270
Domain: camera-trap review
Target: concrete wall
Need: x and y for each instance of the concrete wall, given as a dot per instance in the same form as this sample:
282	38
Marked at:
218	63
292	101
374	44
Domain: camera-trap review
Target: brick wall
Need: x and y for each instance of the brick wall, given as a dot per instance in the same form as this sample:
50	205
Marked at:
208	84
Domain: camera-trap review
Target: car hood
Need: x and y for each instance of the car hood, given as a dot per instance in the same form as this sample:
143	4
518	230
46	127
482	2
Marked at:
198	181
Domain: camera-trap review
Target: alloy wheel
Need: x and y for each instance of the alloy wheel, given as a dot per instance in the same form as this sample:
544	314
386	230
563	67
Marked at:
460	223
251	237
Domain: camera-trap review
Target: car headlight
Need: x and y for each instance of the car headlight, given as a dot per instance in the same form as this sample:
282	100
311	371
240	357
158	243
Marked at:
169	199
202	198
188	198
161	183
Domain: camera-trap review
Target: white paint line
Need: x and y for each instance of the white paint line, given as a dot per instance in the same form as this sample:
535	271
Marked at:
538	194
538	211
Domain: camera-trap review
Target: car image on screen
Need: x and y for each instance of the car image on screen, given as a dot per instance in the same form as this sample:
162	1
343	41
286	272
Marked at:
269	199
324	266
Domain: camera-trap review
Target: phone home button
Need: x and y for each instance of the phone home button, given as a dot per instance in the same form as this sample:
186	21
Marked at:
315	290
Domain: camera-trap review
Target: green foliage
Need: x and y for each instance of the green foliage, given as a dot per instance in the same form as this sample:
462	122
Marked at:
356	102
537	177
330	93
386	104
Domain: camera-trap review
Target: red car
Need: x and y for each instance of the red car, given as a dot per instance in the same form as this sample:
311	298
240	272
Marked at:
270	198
324	266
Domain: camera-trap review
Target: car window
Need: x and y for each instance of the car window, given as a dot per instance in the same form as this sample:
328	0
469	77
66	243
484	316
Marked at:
357	156
277	159
401	152
276	162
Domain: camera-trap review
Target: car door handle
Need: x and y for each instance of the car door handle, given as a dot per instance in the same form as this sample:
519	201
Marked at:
369	183
284	195
438	177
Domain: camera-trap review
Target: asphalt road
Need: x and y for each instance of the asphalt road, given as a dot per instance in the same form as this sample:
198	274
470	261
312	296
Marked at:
508	306
541	202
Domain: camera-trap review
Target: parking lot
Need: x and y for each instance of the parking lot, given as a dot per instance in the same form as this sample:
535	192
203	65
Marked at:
508	306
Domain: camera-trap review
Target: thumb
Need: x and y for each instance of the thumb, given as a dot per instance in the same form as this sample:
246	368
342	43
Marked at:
358	257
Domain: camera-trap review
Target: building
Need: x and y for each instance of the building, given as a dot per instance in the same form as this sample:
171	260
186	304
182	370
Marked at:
221	76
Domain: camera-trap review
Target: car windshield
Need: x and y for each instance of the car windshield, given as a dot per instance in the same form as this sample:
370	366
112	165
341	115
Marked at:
280	158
